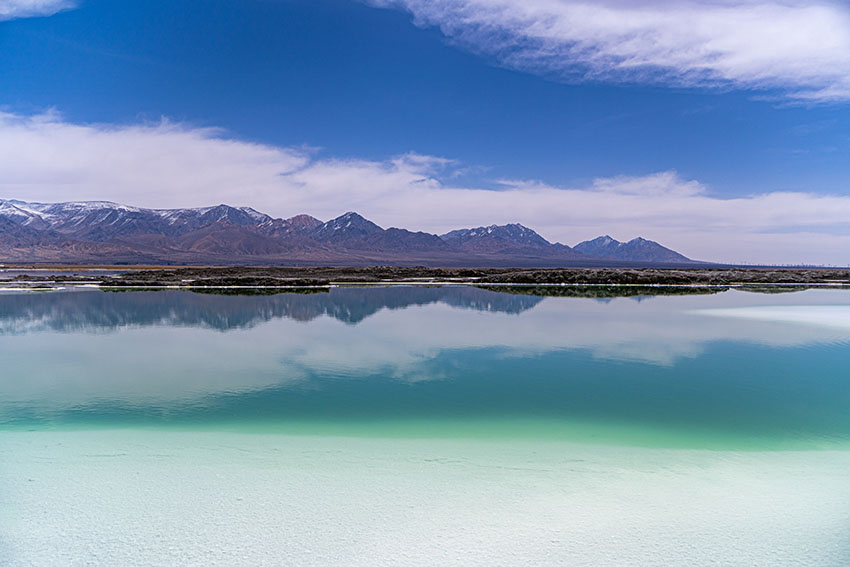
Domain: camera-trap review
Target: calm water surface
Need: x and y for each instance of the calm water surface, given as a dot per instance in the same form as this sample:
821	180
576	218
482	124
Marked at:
424	425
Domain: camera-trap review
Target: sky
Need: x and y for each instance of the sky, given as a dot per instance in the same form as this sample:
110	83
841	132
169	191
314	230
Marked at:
720	128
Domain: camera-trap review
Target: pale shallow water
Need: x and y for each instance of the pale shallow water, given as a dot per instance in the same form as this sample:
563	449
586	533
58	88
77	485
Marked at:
189	498
427	426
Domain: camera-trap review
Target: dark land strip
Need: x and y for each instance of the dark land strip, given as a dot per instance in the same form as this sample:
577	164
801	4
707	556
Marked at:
755	279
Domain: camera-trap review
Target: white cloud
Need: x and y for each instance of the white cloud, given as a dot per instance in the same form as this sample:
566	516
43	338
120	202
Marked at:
800	47
11	9
665	183
44	158
164	163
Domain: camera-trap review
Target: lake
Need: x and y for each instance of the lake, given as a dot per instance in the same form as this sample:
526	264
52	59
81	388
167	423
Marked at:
425	425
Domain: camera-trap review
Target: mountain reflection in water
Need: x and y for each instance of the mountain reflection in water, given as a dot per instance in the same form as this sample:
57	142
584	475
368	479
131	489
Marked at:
105	310
748	365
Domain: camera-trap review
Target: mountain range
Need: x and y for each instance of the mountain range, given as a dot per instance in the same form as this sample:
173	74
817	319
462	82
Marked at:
108	233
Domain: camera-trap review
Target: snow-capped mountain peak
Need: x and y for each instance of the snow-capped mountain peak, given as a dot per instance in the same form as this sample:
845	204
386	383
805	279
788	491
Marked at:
635	250
94	231
514	233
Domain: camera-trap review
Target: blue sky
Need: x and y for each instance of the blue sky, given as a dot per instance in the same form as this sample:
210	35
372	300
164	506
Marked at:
721	129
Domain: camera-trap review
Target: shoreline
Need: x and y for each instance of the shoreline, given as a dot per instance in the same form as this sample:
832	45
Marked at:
283	278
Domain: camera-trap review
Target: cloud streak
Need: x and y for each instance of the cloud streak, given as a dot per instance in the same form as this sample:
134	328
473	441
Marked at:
45	158
12	9
799	47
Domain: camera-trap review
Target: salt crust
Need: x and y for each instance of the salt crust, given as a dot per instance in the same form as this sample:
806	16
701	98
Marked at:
185	498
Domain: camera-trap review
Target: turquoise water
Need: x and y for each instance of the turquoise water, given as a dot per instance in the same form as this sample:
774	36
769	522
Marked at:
424	425
453	361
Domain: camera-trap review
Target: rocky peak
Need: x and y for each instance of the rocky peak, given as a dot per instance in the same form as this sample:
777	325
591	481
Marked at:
349	225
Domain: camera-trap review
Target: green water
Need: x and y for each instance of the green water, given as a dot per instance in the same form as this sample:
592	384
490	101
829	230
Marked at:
423	426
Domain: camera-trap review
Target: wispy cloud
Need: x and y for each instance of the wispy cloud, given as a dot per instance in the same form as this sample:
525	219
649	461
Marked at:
801	48
164	164
11	9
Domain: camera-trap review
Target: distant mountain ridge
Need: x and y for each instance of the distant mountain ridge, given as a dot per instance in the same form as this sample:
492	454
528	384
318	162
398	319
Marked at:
635	250
509	235
105	232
